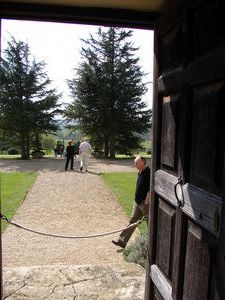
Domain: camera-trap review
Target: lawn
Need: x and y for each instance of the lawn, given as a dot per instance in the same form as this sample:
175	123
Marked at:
12	156
142	153
122	184
14	187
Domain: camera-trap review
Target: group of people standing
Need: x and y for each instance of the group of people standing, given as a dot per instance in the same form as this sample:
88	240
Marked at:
84	151
59	149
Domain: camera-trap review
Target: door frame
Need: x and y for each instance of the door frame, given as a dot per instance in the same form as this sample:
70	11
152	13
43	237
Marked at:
79	15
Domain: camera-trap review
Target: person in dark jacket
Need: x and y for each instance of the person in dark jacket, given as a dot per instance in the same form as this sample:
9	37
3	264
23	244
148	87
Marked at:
141	200
69	155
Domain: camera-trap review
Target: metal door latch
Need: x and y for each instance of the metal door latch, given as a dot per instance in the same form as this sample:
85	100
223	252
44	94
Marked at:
178	190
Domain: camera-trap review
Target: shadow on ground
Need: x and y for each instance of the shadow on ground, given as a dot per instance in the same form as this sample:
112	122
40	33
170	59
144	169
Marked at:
96	166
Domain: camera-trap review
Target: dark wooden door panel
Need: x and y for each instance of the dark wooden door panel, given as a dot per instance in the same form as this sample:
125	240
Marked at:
207	136
166	223
209	25
169	131
170	51
197	265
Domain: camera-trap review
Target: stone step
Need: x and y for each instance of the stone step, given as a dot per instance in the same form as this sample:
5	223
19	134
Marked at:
112	282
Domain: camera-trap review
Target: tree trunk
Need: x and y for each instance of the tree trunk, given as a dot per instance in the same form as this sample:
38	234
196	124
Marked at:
106	148
112	147
28	145
24	147
24	151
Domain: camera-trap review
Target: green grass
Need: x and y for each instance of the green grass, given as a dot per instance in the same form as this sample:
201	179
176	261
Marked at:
147	144
14	187
142	153
122	184
123	156
12	156
18	156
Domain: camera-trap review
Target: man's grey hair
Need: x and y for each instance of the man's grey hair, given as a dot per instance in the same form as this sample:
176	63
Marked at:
139	157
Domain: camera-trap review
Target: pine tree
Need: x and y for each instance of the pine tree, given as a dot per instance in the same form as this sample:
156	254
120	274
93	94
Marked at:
107	92
27	104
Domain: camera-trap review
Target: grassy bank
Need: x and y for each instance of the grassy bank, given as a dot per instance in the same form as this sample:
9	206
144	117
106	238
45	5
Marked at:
14	187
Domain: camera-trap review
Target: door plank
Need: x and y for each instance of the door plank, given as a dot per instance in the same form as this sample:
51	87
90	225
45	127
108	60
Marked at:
179	258
201	206
157	295
161	282
164	184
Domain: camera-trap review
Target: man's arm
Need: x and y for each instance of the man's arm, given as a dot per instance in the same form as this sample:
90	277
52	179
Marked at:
147	198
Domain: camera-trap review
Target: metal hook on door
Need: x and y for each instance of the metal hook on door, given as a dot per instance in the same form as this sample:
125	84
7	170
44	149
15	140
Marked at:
180	198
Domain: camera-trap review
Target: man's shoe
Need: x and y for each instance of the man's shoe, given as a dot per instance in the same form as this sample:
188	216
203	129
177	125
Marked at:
81	169
119	243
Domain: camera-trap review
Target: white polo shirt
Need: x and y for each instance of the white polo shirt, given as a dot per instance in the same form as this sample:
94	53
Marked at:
85	147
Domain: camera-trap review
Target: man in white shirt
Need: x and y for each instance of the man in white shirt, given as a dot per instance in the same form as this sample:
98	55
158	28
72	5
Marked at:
84	153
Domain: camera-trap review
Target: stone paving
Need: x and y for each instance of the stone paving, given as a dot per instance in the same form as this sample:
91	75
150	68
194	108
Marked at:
75	282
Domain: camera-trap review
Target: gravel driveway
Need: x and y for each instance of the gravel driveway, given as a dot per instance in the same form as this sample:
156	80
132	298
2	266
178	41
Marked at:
69	203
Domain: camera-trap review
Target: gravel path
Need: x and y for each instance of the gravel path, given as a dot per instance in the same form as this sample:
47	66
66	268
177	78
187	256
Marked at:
70	203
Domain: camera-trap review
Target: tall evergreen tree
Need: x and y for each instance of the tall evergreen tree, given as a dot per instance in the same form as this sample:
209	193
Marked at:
107	91
27	103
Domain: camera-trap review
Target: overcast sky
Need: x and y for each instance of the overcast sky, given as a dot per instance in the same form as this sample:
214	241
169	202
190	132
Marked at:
59	46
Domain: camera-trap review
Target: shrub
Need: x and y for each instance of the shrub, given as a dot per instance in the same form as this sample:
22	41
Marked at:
37	154
4	146
12	151
148	151
48	143
98	154
136	252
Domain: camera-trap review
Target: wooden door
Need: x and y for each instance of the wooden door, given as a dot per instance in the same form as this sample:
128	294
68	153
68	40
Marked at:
187	226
